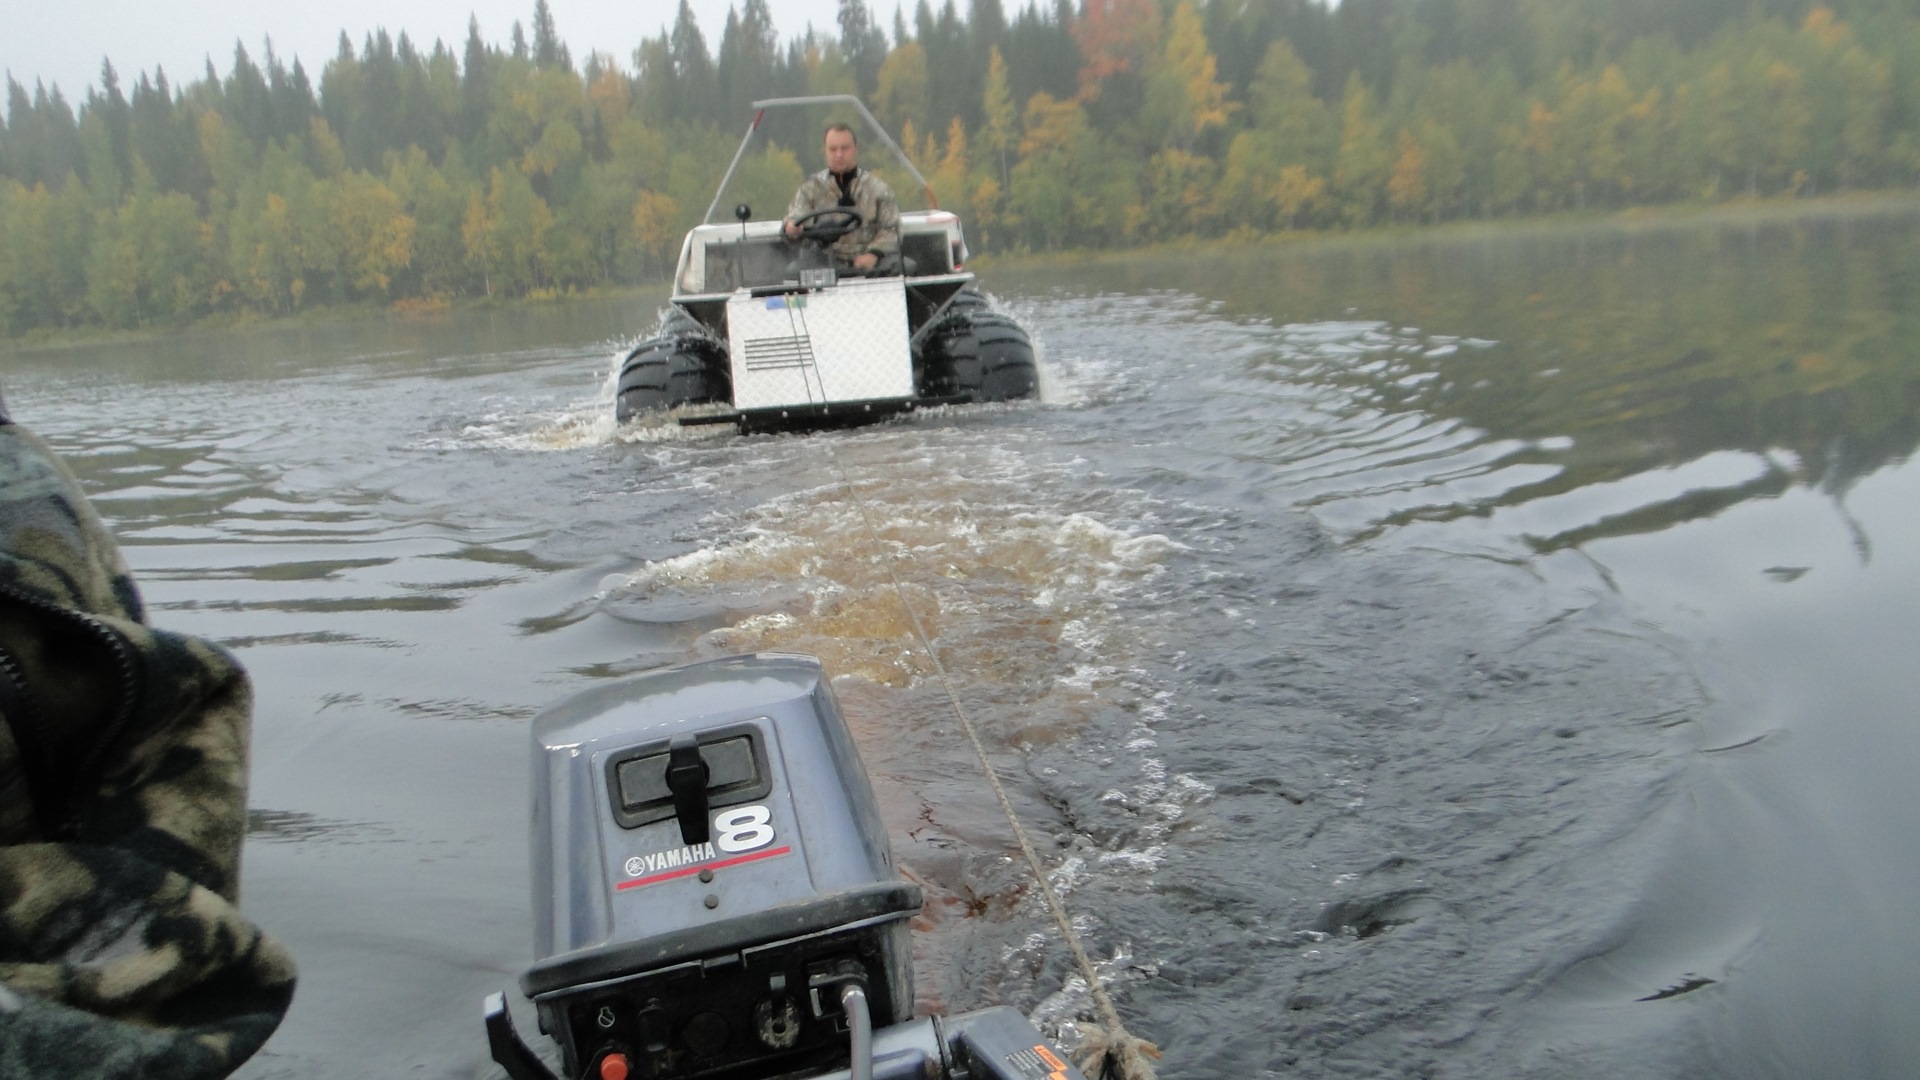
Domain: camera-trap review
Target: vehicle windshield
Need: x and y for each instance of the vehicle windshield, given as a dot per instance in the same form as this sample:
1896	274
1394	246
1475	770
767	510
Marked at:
782	148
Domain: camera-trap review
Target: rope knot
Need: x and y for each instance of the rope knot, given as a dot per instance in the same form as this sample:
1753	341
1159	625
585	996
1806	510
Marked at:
1116	1054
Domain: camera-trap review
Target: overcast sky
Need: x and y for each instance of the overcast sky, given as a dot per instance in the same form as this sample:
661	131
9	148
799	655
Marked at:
62	41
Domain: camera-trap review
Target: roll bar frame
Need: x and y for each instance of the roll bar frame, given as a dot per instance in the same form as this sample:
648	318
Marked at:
760	110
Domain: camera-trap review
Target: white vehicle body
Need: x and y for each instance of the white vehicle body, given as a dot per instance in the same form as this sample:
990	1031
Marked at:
795	349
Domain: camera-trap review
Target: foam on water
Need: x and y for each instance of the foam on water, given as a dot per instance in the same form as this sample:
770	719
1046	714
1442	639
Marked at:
992	573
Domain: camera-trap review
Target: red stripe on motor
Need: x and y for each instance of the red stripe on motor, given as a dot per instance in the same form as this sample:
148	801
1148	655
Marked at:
688	871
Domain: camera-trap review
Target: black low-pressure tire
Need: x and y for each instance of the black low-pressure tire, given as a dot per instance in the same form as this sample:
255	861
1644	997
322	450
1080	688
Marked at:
1008	371
967	300
978	354
671	371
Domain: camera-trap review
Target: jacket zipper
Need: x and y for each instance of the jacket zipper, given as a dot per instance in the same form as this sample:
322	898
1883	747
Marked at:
64	822
28	725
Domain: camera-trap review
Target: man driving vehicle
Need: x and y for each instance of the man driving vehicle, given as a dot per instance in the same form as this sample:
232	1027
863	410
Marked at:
843	184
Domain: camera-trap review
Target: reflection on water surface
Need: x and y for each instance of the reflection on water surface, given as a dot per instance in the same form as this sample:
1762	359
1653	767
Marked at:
1471	655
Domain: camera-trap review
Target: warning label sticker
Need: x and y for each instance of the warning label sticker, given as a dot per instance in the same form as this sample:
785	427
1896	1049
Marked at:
1038	1063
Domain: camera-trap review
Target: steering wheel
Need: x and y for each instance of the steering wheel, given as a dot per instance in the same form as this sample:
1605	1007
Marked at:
825	226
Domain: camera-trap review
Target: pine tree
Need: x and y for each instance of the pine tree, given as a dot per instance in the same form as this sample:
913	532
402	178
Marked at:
112	110
292	95
548	50
476	81
693	73
952	88
248	104
863	44
750	64
161	136
1041	55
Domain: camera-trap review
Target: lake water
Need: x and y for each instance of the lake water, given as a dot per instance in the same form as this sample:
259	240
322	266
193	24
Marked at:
1482	655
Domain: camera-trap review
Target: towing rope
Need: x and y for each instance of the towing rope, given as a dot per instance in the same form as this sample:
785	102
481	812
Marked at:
1120	1054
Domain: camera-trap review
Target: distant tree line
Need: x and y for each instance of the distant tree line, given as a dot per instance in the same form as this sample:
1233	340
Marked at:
409	176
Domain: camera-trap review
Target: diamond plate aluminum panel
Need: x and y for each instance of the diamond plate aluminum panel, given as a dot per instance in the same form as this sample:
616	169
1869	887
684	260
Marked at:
846	343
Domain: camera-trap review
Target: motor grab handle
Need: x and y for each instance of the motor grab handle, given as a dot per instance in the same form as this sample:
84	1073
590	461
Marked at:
504	1043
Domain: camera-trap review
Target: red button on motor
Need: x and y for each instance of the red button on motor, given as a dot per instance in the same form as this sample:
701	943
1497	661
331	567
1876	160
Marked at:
614	1067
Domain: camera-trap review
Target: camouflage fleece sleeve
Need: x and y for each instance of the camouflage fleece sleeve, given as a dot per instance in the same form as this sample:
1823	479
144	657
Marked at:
815	193
123	762
883	218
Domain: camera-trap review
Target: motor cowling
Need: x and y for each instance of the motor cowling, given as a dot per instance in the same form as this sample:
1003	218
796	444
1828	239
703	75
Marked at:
709	864
711	876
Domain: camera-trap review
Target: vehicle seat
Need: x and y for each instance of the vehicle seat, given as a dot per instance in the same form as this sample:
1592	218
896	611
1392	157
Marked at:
928	250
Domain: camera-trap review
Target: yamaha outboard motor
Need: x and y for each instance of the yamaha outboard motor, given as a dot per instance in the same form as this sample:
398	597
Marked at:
714	895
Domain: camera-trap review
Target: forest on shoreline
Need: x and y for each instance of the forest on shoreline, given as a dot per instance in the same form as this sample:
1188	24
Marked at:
413	177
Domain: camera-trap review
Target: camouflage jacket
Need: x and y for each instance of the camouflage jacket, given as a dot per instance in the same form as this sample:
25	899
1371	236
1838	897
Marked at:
872	196
123	762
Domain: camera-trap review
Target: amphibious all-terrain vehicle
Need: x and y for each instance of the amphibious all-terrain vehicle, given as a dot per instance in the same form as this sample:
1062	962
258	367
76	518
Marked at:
714	896
769	332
